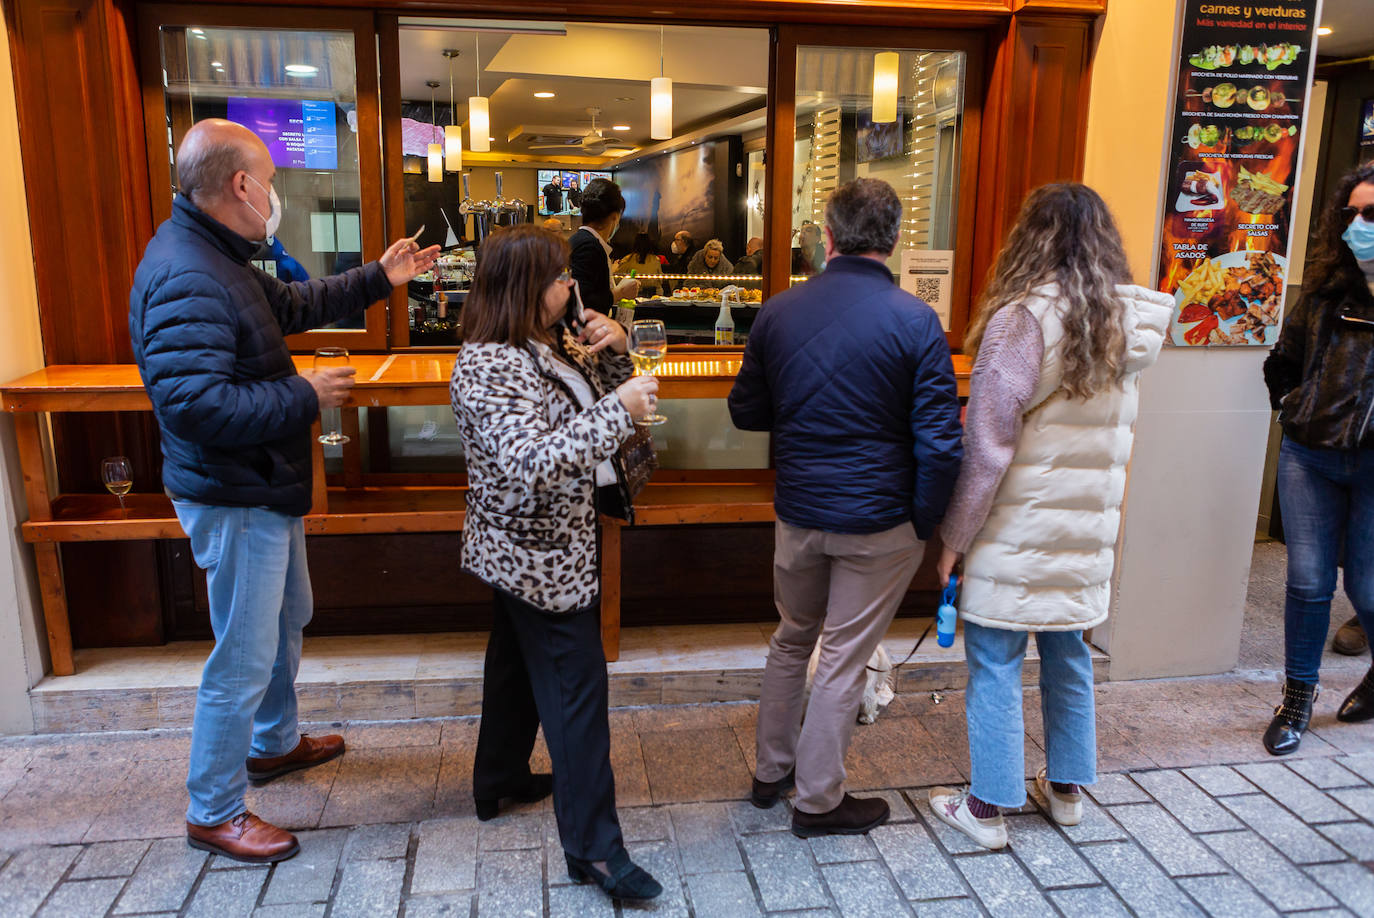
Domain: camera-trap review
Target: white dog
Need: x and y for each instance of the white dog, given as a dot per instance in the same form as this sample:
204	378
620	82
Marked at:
878	684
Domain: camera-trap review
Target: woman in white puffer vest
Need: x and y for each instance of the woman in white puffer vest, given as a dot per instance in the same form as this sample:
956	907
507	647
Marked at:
1060	340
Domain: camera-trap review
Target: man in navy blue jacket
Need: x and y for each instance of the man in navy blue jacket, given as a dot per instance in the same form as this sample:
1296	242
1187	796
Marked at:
853	377
235	418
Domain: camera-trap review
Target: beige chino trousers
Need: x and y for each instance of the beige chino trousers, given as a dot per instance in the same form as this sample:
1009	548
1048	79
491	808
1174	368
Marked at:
844	589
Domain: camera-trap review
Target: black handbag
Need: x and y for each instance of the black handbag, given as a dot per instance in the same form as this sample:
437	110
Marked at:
638	459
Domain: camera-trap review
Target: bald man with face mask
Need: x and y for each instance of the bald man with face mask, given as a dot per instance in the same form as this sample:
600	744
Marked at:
235	417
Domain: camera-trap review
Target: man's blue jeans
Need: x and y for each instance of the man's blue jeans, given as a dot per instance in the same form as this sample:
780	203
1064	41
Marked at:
259	585
996	733
1327	500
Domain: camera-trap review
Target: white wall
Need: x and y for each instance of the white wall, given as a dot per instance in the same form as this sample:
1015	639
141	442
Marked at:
1188	530
23	648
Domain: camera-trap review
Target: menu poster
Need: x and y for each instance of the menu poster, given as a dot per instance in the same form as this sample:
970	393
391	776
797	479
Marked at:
1244	70
1367	132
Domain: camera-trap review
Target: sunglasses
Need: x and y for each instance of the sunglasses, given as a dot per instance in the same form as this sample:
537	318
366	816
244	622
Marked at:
1348	214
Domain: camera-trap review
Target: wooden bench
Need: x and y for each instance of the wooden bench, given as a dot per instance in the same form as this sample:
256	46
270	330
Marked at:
357	506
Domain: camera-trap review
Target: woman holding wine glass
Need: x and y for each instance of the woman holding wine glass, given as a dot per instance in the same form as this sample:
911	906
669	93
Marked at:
543	412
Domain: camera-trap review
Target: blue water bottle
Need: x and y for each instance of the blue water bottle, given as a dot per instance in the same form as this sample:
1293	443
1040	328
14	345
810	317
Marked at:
946	614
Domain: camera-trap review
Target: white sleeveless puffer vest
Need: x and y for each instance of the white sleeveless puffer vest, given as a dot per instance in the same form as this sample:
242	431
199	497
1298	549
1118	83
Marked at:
1043	560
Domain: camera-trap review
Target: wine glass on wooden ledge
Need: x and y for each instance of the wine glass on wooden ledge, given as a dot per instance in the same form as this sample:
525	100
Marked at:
119	479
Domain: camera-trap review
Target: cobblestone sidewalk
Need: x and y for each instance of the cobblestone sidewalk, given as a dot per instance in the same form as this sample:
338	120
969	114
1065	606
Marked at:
1196	819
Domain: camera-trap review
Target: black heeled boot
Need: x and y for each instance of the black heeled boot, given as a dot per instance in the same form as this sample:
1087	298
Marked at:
1359	704
1291	717
626	880
535	789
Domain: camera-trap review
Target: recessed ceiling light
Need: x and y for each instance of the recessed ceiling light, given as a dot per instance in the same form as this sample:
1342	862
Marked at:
620	127
1324	30
543	95
302	70
217	64
197	31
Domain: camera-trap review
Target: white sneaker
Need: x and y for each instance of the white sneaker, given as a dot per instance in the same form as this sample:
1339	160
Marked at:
1065	809
951	807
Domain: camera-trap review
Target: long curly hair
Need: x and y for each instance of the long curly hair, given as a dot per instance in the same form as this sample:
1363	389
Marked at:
1332	268
1065	235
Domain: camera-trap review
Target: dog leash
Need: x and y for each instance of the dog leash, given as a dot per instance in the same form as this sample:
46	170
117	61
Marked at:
897	666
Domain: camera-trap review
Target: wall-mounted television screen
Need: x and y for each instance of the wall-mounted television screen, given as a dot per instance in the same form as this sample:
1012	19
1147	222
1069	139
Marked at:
300	133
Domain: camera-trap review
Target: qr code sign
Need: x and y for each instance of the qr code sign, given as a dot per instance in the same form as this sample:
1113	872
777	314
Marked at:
928	289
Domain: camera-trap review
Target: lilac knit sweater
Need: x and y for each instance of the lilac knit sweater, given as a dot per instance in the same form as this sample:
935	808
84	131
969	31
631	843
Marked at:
1005	376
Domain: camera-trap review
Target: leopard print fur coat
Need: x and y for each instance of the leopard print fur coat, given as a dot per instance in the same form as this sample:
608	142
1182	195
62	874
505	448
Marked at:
532	451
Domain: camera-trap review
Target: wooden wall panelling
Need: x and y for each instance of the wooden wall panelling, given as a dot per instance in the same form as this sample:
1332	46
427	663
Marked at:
393	175
1037	105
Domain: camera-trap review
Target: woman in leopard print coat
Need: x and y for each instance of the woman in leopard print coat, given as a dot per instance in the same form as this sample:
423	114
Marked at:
542	413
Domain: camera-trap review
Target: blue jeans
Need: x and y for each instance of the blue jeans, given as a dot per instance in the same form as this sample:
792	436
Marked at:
996	734
1327	500
259	586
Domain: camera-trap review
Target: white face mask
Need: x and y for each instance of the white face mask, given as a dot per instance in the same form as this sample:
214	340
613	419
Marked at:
272	222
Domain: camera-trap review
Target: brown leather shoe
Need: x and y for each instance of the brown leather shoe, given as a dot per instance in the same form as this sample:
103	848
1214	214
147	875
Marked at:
1350	639
244	838
309	752
854	816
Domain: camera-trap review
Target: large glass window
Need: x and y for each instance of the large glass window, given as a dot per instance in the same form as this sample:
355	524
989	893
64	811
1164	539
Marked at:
891	115
298	90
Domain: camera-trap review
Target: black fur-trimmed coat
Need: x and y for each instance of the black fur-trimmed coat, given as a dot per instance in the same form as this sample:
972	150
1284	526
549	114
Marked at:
532	452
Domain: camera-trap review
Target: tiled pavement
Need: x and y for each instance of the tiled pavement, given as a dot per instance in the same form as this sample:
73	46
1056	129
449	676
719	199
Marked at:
1190	817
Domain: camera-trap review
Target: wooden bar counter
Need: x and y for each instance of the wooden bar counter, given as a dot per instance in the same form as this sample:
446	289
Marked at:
358	505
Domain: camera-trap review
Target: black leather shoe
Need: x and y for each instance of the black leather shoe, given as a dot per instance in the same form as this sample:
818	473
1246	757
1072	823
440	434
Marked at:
535	789
1350	638
854	816
766	794
626	880
1359	704
1291	717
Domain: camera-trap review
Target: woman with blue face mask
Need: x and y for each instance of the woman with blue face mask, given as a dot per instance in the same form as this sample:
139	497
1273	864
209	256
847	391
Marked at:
1321	381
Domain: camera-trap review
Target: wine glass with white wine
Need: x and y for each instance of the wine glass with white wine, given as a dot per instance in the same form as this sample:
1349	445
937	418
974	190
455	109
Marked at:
648	347
118	476
330	420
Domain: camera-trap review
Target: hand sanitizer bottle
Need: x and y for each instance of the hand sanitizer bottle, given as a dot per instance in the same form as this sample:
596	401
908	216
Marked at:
725	323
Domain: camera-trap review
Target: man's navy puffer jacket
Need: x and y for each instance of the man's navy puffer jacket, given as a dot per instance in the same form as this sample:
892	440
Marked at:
207	330
853	377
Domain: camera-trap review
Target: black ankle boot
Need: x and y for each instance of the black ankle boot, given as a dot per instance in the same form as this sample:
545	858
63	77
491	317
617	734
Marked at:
1359	704
535	788
1291	717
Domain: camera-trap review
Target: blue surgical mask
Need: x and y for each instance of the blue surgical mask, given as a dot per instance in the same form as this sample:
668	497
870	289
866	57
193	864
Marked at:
1359	235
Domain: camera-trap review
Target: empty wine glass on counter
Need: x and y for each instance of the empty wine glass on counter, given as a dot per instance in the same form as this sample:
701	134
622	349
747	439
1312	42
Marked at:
118	476
331	357
648	346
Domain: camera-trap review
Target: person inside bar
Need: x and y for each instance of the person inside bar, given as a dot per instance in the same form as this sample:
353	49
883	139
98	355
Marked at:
751	263
642	260
602	206
711	260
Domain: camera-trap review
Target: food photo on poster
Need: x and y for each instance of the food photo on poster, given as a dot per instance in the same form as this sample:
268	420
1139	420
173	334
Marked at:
1242	80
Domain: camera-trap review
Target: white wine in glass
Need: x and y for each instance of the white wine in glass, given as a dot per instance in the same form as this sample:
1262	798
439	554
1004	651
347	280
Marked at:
330	420
119	479
648	346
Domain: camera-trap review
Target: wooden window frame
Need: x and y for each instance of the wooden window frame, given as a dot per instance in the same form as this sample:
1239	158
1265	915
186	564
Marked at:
153	16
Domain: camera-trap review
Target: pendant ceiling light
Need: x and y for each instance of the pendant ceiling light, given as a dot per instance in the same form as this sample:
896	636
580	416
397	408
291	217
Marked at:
885	86
453	134
661	100
435	150
479	112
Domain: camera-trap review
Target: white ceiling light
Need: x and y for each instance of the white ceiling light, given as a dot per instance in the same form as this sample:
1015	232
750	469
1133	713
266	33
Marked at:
543	95
302	70
660	100
620	127
885	65
453	134
434	151
1324	30
479	111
